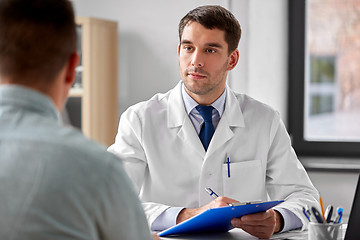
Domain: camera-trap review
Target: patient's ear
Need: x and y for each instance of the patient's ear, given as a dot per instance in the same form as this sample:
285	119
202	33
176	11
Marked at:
70	70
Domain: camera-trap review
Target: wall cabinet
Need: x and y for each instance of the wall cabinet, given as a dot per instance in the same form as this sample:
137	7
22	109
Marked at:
93	100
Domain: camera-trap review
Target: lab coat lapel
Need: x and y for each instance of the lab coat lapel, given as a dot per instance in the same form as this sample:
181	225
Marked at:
178	118
232	118
188	134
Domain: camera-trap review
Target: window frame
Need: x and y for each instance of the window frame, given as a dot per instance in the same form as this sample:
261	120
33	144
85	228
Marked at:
296	73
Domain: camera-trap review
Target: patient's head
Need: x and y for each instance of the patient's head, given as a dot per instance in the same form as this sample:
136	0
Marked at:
37	38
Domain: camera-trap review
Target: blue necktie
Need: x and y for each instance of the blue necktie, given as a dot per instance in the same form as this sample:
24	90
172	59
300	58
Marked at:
207	129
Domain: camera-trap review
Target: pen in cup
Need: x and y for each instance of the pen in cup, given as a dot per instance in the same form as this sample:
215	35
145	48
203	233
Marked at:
339	215
322	207
306	214
328	213
317	215
312	214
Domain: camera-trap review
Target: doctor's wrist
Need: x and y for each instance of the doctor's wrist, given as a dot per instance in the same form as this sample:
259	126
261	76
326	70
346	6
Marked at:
186	213
279	222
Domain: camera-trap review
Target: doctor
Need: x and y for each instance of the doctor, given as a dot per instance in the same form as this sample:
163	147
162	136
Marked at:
249	156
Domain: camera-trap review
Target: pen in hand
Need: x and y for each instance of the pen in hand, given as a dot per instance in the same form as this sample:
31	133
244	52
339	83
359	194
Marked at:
211	192
234	203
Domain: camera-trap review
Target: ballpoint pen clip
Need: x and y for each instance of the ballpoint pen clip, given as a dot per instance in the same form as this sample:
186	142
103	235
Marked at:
308	211
306	215
339	215
228	164
317	215
311	215
244	203
328	213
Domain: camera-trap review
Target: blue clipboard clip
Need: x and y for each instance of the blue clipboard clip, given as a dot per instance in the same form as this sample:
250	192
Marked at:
244	203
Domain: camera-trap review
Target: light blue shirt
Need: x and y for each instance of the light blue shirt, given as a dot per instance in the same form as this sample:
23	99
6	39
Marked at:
168	218
55	183
196	119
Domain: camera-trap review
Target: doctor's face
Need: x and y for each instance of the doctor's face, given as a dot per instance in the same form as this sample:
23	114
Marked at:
204	62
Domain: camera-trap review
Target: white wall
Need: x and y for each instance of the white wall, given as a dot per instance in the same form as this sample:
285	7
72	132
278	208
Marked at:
148	42
262	70
148	60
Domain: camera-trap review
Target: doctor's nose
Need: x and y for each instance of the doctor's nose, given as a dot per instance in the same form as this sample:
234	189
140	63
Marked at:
197	60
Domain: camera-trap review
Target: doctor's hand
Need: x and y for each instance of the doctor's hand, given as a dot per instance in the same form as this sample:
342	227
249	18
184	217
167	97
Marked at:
187	213
261	225
155	236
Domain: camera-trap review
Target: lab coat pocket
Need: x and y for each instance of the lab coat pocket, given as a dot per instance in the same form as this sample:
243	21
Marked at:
244	181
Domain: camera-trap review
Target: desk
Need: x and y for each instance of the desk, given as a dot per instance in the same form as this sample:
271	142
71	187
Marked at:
239	234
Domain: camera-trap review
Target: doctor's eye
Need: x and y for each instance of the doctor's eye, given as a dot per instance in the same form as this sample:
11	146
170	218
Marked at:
210	50
188	48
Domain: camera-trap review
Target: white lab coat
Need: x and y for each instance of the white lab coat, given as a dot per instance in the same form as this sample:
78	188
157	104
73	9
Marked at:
165	159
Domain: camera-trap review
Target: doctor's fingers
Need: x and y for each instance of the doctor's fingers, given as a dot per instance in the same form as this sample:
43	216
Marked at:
155	236
222	202
268	215
262	219
218	202
261	225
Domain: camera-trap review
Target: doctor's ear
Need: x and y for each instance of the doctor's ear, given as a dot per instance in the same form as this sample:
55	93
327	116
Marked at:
234	58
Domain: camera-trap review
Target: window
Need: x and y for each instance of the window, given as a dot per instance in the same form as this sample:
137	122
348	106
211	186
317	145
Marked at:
324	77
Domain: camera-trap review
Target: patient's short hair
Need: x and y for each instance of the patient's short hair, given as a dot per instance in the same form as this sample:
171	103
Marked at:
37	37
214	17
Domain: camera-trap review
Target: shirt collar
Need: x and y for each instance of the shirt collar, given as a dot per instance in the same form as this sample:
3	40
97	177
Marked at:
28	98
190	103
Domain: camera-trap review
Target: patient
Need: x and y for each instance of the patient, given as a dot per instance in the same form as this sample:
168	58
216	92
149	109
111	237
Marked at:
55	184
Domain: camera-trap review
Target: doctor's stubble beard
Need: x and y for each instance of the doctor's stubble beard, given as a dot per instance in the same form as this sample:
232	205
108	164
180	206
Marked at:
199	91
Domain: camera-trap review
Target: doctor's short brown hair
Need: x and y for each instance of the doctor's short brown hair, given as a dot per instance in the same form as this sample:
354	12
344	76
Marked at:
214	17
37	37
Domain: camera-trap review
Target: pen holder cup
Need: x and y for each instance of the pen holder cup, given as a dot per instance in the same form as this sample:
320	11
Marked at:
325	231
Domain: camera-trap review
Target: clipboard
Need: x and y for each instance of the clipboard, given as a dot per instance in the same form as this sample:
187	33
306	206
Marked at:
217	219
